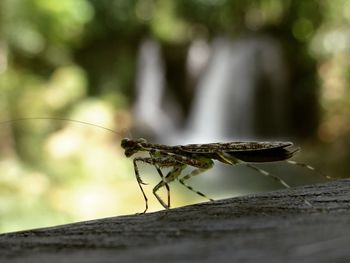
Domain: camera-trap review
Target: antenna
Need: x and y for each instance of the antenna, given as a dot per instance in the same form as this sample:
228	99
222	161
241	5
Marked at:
57	119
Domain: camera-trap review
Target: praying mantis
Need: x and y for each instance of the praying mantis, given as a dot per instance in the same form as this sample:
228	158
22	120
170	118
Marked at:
199	156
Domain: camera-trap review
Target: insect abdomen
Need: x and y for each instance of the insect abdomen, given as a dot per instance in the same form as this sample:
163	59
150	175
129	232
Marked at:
265	155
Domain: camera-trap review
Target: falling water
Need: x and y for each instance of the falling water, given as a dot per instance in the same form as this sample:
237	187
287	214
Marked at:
226	101
240	95
150	86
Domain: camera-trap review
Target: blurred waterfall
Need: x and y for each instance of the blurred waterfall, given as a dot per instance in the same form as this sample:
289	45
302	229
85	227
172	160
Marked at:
242	94
150	85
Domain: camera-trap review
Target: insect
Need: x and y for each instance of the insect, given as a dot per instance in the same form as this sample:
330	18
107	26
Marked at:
201	157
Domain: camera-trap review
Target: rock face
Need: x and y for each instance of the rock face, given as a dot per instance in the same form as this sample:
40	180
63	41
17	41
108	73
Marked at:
270	227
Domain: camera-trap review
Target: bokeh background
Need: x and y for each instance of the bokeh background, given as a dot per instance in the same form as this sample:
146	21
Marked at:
171	71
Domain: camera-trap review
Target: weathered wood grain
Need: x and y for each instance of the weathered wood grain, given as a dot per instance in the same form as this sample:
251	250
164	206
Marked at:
270	227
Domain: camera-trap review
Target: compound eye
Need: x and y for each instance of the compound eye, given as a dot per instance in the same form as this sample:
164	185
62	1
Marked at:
126	143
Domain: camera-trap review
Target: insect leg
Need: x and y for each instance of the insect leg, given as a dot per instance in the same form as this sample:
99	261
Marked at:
188	176
276	178
174	174
310	168
139	181
171	176
155	189
153	161
266	173
201	163
233	161
152	154
230	159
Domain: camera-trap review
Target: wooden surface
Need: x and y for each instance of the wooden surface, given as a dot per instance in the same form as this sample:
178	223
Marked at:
270	227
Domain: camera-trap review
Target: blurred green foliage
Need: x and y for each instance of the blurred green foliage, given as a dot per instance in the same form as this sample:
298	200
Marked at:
77	58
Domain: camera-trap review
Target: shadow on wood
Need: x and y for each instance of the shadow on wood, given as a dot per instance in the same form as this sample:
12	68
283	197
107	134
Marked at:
270	227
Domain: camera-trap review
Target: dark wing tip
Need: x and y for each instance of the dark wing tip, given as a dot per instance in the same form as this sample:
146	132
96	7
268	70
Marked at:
267	155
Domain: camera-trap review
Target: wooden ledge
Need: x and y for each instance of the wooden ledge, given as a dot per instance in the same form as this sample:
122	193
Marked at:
270	227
